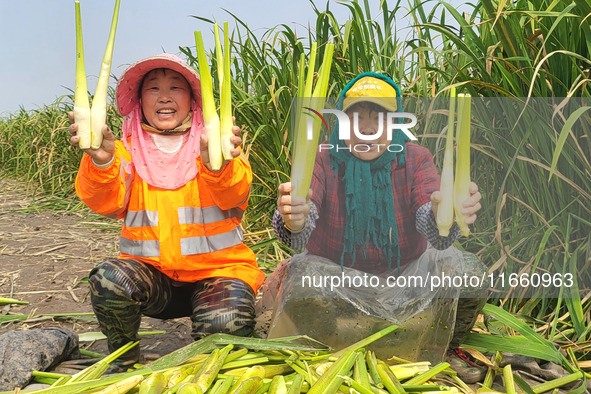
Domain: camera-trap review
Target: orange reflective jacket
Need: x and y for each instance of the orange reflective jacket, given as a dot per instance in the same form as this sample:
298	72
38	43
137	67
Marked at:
189	233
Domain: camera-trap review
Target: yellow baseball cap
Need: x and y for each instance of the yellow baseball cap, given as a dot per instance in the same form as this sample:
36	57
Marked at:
373	90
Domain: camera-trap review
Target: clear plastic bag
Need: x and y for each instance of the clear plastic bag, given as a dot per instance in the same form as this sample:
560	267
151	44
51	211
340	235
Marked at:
305	301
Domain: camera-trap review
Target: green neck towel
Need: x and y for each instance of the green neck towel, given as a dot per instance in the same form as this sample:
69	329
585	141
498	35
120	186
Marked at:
369	202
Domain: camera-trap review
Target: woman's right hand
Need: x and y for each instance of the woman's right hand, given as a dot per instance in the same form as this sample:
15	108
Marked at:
293	210
102	155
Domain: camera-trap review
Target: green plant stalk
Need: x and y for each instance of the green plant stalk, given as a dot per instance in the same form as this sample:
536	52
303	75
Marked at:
422	366
236	355
454	375
96	336
200	358
462	177
445	209
219	56
208	373
491	373
425	376
224	386
252	372
324	73
188	379
426	388
211	119
122	386
83	386
366	341
355	385
277	369
296	384
553	384
43	380
213	341
332	379
25	317
264	387
372	366
177	378
12	301
248	386
399	360
278	385
245	362
60	381
81	102
189	388
51	375
301	76
508	378
305	148
98	109
302	369
270	370
360	373
310	76
310	374
403	373
302	147
217	384
389	380
226	100
153	384
96	370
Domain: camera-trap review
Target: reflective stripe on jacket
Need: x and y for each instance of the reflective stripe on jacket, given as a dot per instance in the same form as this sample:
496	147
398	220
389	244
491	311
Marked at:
189	233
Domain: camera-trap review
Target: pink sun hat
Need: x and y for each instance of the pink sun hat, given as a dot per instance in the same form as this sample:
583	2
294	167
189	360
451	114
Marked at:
128	93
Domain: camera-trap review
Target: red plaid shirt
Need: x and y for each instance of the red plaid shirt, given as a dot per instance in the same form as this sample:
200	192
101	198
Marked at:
412	186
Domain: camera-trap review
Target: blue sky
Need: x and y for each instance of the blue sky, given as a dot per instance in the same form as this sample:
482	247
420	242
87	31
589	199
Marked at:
37	37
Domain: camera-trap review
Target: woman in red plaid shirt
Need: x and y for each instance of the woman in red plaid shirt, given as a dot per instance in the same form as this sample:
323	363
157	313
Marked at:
369	207
373	203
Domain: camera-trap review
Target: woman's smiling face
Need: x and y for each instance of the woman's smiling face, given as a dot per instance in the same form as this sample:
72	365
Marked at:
166	98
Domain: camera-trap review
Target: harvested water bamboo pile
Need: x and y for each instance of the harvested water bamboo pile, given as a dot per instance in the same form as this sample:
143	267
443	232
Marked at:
227	364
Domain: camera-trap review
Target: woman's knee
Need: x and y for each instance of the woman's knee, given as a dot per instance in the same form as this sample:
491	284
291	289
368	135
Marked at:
226	322
223	305
118	279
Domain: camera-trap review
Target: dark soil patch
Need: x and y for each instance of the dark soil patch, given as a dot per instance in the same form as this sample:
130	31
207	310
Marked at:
44	259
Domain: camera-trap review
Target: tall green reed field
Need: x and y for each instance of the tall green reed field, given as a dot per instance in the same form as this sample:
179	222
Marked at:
526	49
535	174
502	50
34	146
530	220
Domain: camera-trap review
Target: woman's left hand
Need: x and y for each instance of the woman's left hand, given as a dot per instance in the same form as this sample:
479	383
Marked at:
235	139
470	206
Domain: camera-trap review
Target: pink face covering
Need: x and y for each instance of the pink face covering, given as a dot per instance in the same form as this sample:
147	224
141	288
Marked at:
165	161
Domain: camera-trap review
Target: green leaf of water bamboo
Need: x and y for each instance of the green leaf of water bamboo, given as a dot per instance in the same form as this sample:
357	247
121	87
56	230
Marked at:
564	133
211	342
573	300
97	336
513	344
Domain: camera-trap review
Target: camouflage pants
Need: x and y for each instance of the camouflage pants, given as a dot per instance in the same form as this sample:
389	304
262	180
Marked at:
124	289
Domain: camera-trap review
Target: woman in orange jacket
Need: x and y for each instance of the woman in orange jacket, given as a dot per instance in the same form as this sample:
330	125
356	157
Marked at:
181	249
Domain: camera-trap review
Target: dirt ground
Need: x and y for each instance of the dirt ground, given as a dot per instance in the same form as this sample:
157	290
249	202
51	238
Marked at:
44	259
